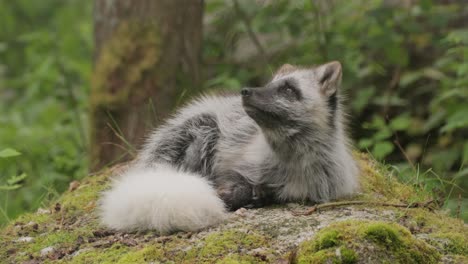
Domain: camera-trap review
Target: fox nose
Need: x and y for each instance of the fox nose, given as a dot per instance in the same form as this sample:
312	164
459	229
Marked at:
246	92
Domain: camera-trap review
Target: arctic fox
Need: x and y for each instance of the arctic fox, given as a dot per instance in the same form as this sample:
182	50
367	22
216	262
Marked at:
281	142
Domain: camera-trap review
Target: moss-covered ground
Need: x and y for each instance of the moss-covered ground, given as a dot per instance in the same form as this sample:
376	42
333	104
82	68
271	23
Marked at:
68	231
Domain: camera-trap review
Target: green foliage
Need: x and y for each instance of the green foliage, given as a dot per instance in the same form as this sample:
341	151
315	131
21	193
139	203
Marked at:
405	73
14	181
45	62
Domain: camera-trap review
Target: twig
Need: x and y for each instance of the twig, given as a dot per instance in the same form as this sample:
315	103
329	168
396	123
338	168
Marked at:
390	89
246	20
346	203
397	143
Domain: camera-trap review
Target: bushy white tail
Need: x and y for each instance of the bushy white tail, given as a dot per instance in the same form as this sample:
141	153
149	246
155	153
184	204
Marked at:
160	198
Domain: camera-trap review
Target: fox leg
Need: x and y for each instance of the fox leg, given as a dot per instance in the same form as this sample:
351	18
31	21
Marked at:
237	192
189	146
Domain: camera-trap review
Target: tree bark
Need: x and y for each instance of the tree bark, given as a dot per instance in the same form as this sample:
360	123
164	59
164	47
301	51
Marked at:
147	55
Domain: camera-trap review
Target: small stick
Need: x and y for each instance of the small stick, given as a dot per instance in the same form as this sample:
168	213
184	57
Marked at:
346	203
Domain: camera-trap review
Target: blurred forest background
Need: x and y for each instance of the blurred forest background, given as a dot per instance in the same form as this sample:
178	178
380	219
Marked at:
405	75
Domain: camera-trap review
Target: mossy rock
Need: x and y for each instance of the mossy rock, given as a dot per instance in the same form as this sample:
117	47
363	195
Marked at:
68	231
366	241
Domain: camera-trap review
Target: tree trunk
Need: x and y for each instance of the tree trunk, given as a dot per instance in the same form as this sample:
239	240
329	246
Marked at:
147	56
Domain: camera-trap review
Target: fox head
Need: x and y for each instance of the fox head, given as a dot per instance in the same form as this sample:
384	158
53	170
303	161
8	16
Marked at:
296	100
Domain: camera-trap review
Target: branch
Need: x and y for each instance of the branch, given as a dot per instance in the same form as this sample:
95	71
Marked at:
346	203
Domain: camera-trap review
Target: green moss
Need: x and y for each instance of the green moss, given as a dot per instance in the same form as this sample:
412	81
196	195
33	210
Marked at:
378	183
327	239
459	259
344	256
224	246
384	234
84	198
151	253
36	218
238	259
229	241
109	255
452	243
321	256
221	247
348	256
343	242
354	239
449	235
124	61
53	239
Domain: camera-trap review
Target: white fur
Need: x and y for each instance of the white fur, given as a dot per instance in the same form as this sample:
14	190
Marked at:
160	198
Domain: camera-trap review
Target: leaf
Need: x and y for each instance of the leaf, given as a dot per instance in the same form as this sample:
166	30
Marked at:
8	153
465	153
401	122
382	149
409	78
461	174
434	74
16	179
382	134
362	98
365	143
457	120
9	187
434	120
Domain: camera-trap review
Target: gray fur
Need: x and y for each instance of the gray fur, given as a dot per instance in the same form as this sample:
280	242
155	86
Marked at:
269	145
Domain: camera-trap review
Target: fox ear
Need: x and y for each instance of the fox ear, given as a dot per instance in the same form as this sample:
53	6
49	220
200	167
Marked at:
286	68
329	77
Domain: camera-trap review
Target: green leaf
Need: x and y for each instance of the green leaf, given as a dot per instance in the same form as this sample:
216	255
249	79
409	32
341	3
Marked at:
9	187
8	153
16	179
465	153
365	143
362	98
400	123
434	120
461	174
409	78
382	149
457	120
382	134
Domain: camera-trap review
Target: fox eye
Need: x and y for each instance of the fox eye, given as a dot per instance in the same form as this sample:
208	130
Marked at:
288	89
